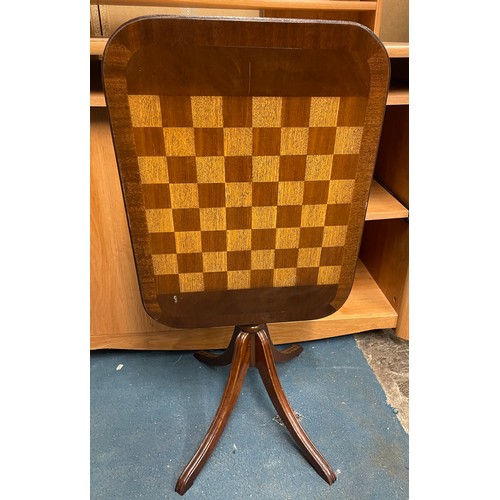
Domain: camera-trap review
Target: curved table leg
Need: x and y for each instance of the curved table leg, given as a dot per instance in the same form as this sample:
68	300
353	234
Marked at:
218	360
265	364
285	354
239	368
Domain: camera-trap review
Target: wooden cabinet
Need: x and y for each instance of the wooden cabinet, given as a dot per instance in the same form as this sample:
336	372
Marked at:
379	298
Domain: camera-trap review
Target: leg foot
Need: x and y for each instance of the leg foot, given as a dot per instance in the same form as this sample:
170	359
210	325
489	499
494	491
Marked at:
218	360
285	354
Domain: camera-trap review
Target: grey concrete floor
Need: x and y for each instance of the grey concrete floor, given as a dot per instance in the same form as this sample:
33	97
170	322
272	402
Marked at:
388	357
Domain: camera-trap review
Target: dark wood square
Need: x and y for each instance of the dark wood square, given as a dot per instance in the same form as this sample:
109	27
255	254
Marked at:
215	281
149	141
331	256
212	195
292	168
307	276
316	192
337	215
311	237
238	168
239	217
344	166
181	169
162	243
264	194
237	111
295	111
209	141
289	216
261	278
239	261
352	112
266	141
321	140
167	283
190	262
186	219
286	257
176	111
263	239
213	241
156	195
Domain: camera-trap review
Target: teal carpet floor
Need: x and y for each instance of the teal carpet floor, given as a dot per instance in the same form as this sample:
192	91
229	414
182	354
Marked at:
151	409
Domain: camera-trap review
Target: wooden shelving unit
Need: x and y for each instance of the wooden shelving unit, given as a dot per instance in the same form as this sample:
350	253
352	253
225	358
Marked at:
379	297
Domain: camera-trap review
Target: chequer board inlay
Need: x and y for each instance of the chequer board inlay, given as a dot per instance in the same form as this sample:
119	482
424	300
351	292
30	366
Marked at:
245	192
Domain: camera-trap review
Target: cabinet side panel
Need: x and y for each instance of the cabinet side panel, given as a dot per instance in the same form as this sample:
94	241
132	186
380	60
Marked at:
115	300
385	253
392	167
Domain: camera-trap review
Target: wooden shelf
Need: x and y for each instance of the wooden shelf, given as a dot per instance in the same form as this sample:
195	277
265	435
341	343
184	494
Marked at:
355	5
382	205
397	49
397	96
366	308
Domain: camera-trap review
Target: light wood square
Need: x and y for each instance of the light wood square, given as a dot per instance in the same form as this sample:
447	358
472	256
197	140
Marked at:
213	219
184	195
265	168
262	259
237	280
318	167
239	239
159	220
145	110
348	140
313	216
309	257
210	169
285	277
179	141
328	275
287	237
341	191
191	282
264	217
238	194
153	169
266	112
238	141
290	192
324	111
214	261
206	111
334	236
188	241
165	264
294	140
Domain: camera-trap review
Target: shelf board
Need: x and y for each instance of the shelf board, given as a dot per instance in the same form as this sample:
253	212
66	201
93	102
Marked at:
366	309
354	5
397	49
397	96
382	205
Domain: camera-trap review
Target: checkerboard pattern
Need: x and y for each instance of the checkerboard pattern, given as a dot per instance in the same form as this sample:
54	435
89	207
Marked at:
246	192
